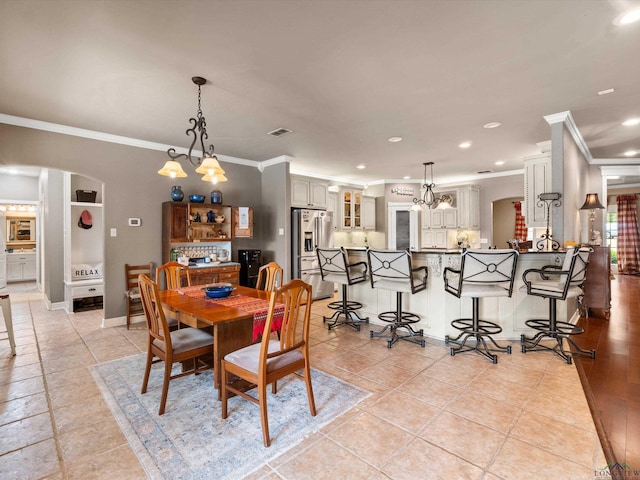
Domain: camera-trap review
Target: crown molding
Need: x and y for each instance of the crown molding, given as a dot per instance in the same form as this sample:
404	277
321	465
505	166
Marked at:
569	122
110	138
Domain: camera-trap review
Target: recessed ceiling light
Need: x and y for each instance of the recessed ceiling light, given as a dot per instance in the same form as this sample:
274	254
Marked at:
607	91
406	177
492	125
630	17
630	153
613	177
499	162
361	167
631	122
465	145
395	139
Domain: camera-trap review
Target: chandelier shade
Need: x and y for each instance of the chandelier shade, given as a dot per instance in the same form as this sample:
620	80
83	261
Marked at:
207	165
214	178
172	169
210	166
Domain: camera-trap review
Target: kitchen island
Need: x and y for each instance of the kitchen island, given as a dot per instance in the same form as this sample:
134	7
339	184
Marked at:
438	308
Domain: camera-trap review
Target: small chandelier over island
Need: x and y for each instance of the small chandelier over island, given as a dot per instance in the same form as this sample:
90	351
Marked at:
429	198
207	165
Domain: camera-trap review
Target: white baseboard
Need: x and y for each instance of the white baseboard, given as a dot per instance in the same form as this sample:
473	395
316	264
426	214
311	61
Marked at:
120	321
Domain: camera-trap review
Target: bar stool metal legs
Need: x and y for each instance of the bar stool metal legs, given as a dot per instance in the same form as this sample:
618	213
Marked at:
399	319
5	302
347	309
478	330
553	329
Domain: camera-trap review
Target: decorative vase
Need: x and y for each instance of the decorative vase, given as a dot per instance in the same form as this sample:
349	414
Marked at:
216	197
176	193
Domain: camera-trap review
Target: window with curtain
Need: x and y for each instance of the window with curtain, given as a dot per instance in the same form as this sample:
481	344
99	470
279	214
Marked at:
628	236
520	232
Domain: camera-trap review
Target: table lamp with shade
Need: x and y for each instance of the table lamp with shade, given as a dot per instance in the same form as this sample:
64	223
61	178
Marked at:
592	203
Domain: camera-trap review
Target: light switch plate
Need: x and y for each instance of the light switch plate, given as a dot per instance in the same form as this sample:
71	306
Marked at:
114	232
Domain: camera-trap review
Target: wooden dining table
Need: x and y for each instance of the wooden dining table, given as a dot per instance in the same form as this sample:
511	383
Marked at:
232	327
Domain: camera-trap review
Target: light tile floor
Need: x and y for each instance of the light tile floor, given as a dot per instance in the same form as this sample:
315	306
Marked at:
430	416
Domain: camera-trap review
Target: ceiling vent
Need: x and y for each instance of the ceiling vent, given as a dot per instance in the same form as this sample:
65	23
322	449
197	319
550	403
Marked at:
279	132
484	171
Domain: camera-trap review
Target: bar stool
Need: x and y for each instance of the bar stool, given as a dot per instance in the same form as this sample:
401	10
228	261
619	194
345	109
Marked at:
483	273
5	302
392	270
335	267
557	283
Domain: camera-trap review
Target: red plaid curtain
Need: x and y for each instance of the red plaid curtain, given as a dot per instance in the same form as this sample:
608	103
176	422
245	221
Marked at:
628	237
521	227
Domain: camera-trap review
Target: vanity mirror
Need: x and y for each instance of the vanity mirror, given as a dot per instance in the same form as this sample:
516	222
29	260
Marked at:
21	230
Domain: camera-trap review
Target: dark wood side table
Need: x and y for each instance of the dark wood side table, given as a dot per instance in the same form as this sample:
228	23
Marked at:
597	287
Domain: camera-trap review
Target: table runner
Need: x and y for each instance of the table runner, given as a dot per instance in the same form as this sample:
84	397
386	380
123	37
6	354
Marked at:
258	307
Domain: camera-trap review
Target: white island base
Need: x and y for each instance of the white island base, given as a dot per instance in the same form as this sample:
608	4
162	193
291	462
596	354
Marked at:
438	308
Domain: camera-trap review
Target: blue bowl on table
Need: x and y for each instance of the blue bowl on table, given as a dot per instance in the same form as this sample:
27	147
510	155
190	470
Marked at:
196	198
218	291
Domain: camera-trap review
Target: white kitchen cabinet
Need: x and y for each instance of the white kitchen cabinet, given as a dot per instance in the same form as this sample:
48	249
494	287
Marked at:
537	180
441	217
332	203
469	207
350	210
307	193
434	238
368	213
21	266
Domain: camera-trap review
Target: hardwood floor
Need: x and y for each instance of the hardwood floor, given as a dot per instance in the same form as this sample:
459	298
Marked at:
612	379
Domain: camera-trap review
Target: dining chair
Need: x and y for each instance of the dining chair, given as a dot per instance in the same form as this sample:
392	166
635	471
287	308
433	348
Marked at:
269	277
170	346
132	293
264	363
171	274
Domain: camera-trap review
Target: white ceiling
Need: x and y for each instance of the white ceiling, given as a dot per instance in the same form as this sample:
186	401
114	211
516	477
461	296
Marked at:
343	75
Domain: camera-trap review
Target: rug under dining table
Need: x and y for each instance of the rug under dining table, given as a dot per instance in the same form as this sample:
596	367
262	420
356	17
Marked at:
192	441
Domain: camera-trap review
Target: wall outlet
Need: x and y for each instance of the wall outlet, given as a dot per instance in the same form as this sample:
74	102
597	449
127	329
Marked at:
281	231
114	232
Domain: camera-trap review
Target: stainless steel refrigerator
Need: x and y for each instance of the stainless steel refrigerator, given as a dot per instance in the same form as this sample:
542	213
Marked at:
311	229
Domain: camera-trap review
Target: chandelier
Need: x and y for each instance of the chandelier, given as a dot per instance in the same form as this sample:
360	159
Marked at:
429	198
207	165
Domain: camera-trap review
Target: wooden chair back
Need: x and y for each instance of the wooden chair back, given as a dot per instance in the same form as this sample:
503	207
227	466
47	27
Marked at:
294	332
131	272
269	277
171	274
156	320
131	275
